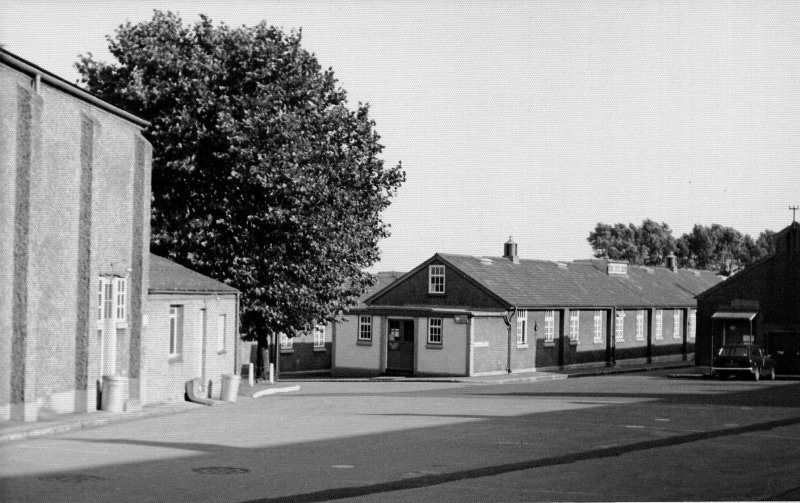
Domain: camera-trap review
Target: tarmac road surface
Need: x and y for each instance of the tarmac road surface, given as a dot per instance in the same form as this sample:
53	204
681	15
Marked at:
634	437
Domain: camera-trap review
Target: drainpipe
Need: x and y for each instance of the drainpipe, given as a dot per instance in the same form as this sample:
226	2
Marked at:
507	319
613	337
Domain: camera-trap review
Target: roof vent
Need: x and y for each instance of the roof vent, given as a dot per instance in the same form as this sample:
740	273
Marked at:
510	250
485	260
617	268
562	265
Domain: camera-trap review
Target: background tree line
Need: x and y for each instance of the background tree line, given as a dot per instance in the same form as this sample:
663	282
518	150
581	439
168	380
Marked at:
717	248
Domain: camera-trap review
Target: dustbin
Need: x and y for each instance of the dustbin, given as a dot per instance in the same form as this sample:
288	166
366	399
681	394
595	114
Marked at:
115	391
230	387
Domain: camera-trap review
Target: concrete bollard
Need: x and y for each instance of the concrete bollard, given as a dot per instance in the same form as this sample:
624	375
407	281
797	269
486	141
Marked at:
230	387
115	392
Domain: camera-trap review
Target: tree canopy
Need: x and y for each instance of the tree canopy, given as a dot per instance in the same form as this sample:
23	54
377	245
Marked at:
717	248
262	176
645	245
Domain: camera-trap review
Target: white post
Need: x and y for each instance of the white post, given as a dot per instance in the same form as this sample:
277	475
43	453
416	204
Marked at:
272	373
250	377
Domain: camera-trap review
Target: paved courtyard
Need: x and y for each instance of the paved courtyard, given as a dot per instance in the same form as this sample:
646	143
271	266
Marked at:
621	437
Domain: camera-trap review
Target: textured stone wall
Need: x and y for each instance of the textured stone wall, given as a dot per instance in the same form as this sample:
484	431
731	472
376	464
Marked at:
68	215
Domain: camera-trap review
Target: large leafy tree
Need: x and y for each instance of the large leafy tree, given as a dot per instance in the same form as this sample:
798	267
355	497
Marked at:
645	245
262	176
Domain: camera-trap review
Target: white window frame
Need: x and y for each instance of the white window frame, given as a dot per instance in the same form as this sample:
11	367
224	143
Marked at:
435	331
436	279
619	327
286	343
174	331
549	326
365	328
574	326
107	298
692	325
659	325
676	324
522	328
222	322
640	325
120	289
100	297
598	327
319	337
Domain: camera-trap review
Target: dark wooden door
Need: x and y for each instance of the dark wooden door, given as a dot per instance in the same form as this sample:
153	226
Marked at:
400	353
784	347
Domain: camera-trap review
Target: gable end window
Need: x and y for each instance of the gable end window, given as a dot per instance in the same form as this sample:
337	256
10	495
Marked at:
436	279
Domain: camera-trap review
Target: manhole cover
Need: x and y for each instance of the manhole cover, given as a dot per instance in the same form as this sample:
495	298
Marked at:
220	470
75	478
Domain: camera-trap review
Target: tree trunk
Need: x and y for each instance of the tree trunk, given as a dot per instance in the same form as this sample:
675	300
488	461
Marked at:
263	360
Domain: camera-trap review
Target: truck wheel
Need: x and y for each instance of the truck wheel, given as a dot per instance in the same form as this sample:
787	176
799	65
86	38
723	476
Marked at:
757	374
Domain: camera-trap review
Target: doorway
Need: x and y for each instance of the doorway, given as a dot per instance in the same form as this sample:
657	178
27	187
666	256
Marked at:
400	351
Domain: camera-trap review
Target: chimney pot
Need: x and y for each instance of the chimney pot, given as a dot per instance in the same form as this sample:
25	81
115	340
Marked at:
672	262
510	250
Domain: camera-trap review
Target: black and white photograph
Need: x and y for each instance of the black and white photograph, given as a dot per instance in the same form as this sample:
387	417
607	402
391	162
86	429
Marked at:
262	251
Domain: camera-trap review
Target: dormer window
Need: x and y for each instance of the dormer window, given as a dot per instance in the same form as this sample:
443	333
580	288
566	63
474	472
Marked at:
620	268
436	279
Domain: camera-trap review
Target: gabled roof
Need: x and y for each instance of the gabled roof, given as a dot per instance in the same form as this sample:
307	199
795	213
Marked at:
168	277
382	280
585	283
745	276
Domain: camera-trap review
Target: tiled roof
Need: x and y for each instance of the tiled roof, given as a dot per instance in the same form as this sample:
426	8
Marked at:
585	283
167	276
382	280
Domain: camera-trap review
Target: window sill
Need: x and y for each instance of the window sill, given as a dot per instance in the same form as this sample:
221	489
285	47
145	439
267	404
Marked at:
573	342
320	350
522	346
287	350
432	345
363	342
122	325
175	359
598	341
549	344
222	352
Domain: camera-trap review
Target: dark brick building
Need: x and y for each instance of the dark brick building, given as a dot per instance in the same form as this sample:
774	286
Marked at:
760	304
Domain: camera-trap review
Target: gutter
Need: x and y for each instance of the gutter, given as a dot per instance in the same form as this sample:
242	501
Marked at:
39	74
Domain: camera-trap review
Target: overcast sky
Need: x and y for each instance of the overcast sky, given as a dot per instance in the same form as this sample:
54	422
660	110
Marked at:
531	119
